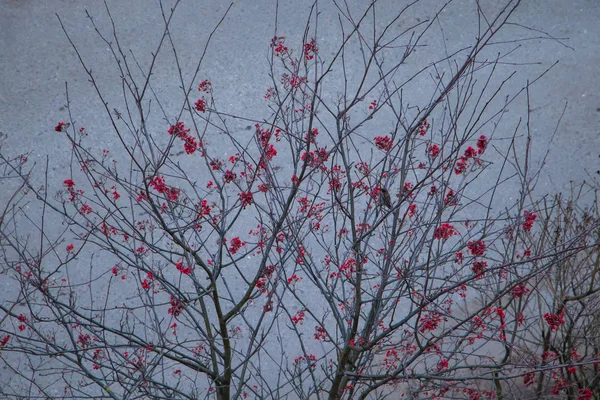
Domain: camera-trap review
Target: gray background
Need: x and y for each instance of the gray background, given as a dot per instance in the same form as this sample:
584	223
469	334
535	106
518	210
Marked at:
36	60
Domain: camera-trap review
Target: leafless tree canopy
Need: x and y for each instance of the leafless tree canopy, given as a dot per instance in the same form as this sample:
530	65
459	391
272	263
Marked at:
352	244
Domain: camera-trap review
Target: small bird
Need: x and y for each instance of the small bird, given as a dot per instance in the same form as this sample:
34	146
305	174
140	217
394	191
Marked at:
384	198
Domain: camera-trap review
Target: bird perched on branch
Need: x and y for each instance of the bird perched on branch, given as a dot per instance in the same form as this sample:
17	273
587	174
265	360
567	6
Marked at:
384	198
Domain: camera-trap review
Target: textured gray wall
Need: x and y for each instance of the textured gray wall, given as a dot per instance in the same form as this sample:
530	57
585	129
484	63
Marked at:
36	60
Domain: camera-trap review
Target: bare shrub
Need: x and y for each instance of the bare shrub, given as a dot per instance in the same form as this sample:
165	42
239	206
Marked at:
557	343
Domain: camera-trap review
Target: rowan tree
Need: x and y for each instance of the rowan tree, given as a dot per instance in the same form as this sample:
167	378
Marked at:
275	270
